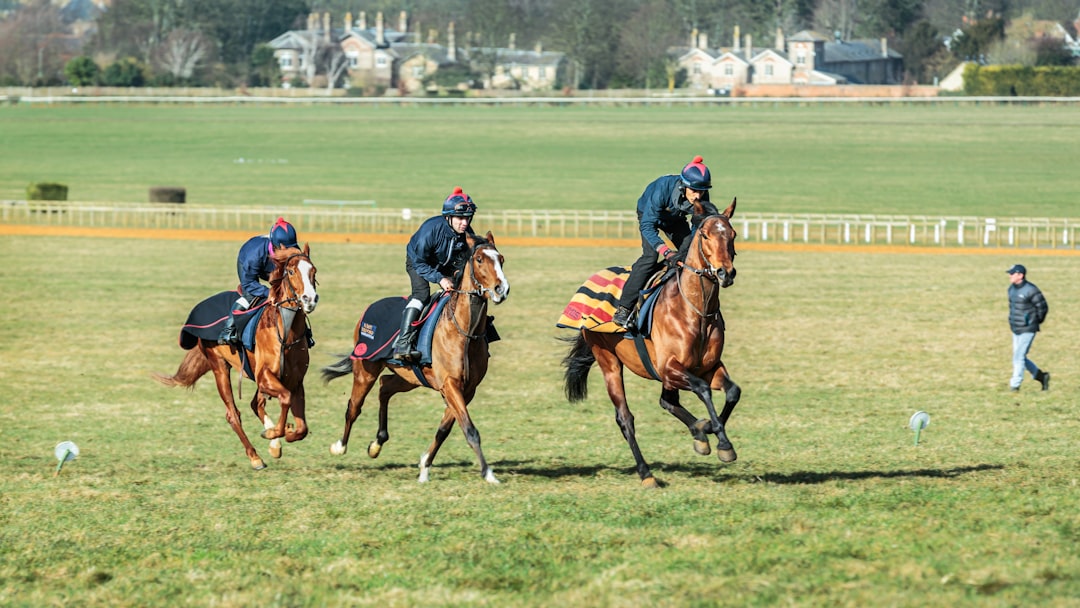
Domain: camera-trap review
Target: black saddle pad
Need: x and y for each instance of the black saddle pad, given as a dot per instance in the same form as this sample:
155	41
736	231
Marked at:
379	326
208	317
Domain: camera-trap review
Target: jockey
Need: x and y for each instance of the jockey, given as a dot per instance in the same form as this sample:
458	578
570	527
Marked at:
664	206
436	252
254	263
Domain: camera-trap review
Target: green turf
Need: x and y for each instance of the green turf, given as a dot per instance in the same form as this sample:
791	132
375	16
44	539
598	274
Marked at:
1003	161
829	504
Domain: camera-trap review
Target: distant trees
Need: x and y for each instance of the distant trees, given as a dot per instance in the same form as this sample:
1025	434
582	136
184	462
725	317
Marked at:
607	42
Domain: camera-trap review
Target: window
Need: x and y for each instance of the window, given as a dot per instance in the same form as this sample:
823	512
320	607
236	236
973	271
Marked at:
353	62
380	61
697	69
729	70
286	61
768	69
542	72
800	56
418	71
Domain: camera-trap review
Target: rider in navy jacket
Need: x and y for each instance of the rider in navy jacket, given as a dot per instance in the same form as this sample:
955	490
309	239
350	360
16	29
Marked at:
436	252
254	263
663	206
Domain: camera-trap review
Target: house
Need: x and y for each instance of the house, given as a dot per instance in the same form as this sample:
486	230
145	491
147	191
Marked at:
391	58
805	58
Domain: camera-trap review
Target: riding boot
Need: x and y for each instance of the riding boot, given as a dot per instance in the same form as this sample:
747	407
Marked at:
228	332
623	317
1043	378
403	346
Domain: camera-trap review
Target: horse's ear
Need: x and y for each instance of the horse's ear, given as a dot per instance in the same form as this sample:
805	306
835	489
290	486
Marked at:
307	250
490	237
730	211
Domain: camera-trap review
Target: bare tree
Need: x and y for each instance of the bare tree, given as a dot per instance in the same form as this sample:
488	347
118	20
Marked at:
181	52
32	47
336	63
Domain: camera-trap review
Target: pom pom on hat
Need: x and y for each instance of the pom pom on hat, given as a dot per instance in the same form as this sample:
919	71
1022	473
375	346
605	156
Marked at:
698	159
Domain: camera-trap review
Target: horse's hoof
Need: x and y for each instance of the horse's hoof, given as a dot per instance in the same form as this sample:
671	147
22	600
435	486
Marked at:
702	447
266	434
699	431
257	464
650	483
337	449
373	449
275	451
726	455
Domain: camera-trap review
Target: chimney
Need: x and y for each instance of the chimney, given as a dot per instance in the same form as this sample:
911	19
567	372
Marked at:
312	21
703	40
348	20
511	44
539	48
884	48
326	26
749	49
432	36
403	22
780	40
380	35
451	49
363	20
736	47
693	38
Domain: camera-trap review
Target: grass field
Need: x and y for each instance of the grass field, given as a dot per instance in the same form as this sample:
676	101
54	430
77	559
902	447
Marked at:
829	504
914	160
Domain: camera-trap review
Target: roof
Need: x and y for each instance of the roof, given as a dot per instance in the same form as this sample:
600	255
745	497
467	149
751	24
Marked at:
856	50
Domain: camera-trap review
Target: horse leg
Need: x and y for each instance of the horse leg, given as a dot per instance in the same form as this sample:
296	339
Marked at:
298	429
677	375
258	405
445	426
459	407
612	369
389	385
232	415
364	375
732	392
669	400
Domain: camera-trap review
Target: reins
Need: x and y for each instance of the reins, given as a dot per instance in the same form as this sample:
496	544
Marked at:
703	274
288	312
476	312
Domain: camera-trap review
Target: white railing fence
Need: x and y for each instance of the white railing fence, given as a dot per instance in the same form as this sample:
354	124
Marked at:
835	229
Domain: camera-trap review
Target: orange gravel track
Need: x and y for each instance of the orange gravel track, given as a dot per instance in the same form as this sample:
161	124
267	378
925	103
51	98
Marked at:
401	239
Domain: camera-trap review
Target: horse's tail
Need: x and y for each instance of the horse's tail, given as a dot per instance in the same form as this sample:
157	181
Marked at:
338	369
578	362
193	367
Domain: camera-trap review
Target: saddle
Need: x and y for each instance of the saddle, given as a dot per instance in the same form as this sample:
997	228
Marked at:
381	323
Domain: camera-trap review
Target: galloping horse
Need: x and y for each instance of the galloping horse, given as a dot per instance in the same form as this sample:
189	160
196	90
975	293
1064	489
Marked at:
278	362
459	360
684	346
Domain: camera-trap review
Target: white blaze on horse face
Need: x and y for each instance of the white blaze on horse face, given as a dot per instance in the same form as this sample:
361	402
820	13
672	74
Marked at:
502	290
310	298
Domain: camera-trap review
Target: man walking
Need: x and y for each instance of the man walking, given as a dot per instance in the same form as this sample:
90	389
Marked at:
1027	311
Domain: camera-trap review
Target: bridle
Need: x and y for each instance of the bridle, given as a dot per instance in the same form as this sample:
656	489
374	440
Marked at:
288	313
477	309
711	274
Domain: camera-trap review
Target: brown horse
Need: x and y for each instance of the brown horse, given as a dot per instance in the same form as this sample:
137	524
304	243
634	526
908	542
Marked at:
685	346
279	361
459	360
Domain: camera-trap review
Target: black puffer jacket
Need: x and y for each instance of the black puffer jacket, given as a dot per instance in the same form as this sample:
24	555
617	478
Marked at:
1027	308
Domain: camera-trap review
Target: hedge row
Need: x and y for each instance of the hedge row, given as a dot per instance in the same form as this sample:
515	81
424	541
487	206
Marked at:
1005	80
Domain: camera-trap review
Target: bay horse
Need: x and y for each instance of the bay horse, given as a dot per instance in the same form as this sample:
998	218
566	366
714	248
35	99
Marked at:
279	361
685	346
459	360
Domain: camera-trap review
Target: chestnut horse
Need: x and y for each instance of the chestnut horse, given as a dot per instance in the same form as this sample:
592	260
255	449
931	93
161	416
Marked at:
685	346
279	361
459	360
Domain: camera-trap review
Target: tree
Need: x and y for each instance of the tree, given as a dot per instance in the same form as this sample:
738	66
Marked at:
127	72
974	41
918	46
264	70
82	71
1051	51
643	45
32	45
181	53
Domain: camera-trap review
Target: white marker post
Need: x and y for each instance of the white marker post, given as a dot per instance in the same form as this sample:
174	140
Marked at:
65	451
919	421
